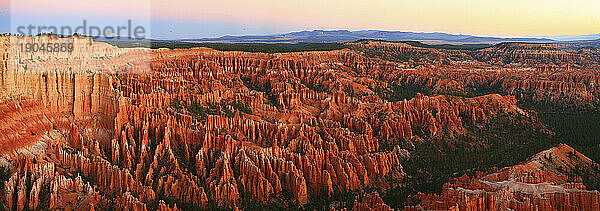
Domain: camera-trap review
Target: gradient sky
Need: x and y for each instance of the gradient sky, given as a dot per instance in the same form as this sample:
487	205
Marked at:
202	18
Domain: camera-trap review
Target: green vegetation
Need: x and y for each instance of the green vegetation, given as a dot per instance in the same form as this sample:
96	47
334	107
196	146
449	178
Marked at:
580	130
273	47
384	54
250	47
500	143
200	111
503	142
438	46
588	176
241	106
448	46
419	56
397	92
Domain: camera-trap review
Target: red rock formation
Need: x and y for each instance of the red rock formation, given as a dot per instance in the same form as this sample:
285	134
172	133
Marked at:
371	202
200	128
533	73
25	127
37	186
538	184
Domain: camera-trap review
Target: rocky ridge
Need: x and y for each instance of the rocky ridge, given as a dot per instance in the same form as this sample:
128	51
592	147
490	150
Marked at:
542	182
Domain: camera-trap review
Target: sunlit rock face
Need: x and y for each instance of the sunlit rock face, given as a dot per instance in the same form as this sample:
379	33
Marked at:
136	129
371	202
540	183
536	74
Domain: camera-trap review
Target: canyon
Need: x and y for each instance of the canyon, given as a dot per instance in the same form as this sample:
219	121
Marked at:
104	127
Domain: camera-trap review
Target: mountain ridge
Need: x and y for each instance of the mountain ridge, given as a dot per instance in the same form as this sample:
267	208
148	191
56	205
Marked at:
318	36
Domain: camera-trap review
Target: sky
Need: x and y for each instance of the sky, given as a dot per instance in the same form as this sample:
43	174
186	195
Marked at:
203	18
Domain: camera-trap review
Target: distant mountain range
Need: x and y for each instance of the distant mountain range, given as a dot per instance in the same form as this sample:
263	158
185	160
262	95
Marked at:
321	36
442	40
